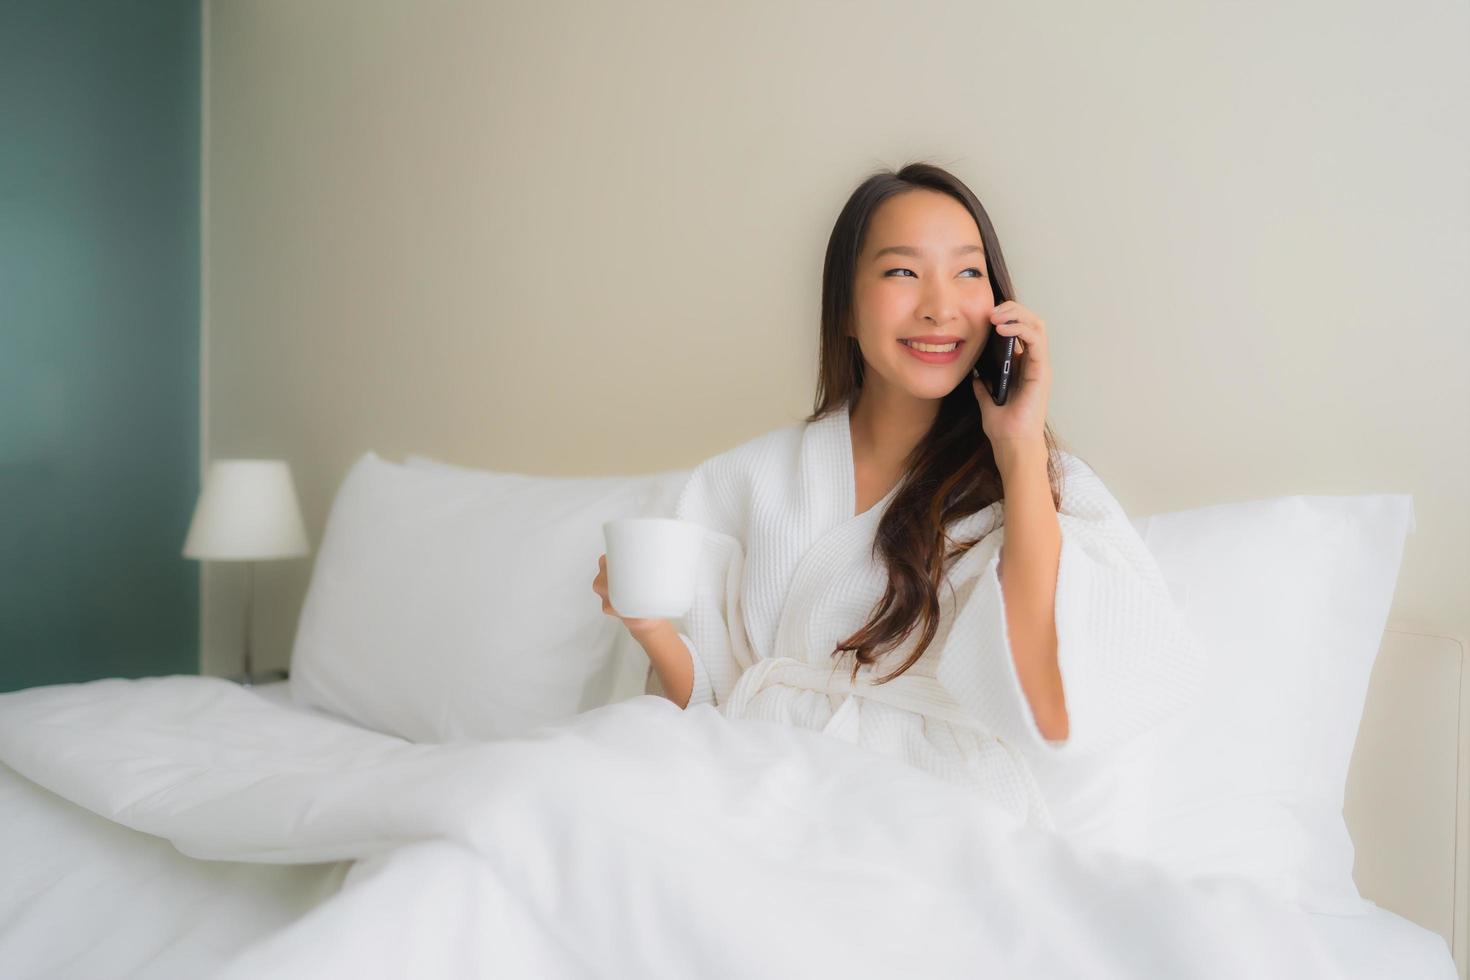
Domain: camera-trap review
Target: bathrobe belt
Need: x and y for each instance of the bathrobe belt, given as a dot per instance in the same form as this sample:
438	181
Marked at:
910	692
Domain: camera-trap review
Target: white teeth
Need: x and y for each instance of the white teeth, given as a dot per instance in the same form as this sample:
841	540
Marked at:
932	348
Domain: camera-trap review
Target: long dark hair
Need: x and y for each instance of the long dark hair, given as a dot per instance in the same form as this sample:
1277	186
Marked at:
952	472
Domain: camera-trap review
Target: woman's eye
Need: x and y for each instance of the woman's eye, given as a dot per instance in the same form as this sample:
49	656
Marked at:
978	273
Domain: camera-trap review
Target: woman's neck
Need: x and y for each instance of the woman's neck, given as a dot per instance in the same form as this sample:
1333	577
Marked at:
886	429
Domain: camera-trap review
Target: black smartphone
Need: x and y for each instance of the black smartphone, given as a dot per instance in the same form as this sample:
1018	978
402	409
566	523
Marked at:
995	365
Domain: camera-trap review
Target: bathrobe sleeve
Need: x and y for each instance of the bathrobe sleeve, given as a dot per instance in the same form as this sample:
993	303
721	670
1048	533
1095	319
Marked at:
1126	658
713	629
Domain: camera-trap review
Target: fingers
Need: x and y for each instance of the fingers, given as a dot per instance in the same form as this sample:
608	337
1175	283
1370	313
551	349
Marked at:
599	586
1009	312
1027	334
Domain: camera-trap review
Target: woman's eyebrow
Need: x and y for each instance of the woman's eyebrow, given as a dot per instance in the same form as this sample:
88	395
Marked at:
912	252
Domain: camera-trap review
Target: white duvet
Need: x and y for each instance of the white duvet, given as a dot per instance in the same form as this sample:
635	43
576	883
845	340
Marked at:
634	840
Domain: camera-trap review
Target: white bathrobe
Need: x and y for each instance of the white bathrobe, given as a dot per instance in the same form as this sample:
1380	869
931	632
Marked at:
788	572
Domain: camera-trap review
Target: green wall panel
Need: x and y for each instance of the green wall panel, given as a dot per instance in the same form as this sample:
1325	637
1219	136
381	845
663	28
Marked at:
99	338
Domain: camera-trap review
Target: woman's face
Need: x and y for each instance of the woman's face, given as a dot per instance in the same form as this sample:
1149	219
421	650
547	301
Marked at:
937	283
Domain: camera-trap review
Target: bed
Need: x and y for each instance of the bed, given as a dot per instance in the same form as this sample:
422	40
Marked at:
189	827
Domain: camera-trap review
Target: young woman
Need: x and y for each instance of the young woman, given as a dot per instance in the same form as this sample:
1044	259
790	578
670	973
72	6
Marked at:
1000	619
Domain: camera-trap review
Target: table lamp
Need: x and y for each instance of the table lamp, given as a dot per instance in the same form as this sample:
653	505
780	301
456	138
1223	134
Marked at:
247	512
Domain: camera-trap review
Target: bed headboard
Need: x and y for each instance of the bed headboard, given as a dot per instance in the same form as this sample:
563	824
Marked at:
1408	790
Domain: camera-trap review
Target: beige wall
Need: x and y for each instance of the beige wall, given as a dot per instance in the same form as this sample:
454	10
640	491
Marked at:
586	238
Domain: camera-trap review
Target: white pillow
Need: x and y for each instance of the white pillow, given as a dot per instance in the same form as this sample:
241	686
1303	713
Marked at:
629	672
459	605
1290	598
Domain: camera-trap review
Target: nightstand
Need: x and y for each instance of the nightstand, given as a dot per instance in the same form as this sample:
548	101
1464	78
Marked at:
260	677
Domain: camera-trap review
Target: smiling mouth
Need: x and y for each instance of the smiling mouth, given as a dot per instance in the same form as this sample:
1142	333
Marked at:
933	348
934	358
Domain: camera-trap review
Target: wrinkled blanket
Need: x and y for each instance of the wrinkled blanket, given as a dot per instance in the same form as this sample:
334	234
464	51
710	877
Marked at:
637	839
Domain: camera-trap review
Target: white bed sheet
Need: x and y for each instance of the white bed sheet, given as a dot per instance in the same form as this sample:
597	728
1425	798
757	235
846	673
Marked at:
1381	945
82	896
85	896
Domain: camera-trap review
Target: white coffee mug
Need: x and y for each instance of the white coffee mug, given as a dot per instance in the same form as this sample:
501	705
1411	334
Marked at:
651	565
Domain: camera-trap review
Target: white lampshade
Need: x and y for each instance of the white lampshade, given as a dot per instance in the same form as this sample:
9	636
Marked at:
247	512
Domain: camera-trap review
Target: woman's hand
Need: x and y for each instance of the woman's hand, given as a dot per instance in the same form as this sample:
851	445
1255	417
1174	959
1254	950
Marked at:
1022	419
637	626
